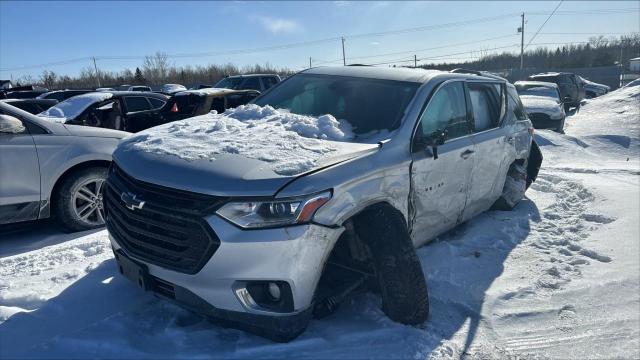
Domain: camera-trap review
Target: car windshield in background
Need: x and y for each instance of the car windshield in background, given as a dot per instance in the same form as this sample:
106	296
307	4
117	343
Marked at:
74	106
367	104
538	91
229	83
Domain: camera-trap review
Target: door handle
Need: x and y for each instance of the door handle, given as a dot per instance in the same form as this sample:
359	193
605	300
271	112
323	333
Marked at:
465	154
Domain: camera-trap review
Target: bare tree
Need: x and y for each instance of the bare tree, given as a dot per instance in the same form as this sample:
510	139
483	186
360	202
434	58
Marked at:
155	67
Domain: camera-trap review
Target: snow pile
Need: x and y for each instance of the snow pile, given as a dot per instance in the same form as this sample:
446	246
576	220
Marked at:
616	113
73	106
291	143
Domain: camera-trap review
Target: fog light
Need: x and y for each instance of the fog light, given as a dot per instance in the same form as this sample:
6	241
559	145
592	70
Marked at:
274	291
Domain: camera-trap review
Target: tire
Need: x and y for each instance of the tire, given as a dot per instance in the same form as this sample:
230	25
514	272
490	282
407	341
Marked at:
402	284
78	202
514	188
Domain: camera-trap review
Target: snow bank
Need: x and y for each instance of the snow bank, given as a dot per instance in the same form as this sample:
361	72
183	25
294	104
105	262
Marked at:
291	143
616	113
73	106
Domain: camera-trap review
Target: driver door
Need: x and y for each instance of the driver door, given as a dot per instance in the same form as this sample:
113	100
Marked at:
19	174
439	185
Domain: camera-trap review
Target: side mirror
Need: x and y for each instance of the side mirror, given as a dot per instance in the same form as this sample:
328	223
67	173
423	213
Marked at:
432	142
11	125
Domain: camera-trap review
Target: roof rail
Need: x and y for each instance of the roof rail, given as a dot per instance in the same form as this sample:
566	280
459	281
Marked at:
477	72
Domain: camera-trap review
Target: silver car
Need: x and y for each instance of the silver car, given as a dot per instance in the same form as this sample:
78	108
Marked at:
50	169
543	104
265	252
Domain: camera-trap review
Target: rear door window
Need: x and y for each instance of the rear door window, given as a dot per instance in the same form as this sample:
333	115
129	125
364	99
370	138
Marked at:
156	103
251	83
515	108
486	102
136	103
269	81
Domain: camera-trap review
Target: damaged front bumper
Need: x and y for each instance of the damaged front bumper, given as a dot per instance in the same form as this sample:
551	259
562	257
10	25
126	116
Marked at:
229	287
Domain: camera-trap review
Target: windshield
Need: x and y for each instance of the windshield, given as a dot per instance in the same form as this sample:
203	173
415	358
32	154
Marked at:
367	104
74	106
538	91
229	83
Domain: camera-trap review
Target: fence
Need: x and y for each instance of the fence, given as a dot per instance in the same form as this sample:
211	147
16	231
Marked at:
607	75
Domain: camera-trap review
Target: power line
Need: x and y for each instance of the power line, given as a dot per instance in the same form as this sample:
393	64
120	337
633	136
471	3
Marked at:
543	24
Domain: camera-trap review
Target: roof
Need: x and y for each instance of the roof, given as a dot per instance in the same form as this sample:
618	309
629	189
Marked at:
250	75
33	101
638	58
212	91
136	93
537	83
384	73
554	73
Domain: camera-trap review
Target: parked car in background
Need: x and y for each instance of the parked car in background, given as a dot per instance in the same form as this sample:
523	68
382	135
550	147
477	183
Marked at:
593	89
263	248
49	169
543	104
62	95
23	92
105	89
170	89
259	82
189	103
139	88
571	87
32	106
107	109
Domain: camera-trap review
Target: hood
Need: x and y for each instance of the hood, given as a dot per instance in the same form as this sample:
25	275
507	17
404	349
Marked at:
227	174
79	130
541	104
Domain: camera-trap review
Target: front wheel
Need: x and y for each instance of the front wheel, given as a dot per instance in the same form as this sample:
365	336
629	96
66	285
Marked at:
78	204
402	284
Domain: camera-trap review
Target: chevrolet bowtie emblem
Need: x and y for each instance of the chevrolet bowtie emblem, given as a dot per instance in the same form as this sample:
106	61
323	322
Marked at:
130	201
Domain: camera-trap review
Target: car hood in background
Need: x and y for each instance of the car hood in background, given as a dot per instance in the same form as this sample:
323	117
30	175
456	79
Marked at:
227	175
79	130
541	104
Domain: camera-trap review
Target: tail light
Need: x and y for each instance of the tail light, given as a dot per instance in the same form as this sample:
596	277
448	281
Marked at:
174	108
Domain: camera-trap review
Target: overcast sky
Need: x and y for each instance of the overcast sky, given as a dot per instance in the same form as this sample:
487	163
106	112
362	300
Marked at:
35	33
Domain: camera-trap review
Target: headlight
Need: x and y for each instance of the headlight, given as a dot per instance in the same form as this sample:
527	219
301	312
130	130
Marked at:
259	214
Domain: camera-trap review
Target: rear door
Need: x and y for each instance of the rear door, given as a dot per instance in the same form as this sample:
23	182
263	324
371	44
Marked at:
492	143
439	186
19	176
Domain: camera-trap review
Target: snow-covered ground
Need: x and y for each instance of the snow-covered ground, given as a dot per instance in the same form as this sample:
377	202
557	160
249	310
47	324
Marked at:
558	277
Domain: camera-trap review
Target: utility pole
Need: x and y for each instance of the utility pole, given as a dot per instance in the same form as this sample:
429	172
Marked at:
96	68
309	62
415	61
521	31
344	59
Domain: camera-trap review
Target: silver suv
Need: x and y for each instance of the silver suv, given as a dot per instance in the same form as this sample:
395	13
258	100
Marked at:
265	252
48	168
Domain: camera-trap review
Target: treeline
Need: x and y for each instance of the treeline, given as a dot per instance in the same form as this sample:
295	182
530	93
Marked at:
598	51
154	71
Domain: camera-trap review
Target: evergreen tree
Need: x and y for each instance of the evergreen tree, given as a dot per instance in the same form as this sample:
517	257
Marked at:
139	77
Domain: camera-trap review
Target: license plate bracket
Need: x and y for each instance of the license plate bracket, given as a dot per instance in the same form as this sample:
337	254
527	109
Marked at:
137	273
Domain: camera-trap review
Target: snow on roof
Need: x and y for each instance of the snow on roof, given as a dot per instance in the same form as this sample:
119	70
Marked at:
638	58
398	74
290	143
173	88
536	83
206	91
74	106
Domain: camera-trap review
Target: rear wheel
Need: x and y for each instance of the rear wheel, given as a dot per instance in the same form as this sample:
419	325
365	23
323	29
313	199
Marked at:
78	204
514	188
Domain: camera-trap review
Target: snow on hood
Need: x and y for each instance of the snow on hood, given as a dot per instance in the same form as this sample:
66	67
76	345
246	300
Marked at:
73	106
173	88
291	144
541	104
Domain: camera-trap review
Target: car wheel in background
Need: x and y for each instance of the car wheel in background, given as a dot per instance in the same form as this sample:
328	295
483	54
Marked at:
78	204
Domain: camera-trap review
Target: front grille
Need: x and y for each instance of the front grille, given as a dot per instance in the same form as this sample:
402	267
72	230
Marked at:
535	117
169	230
